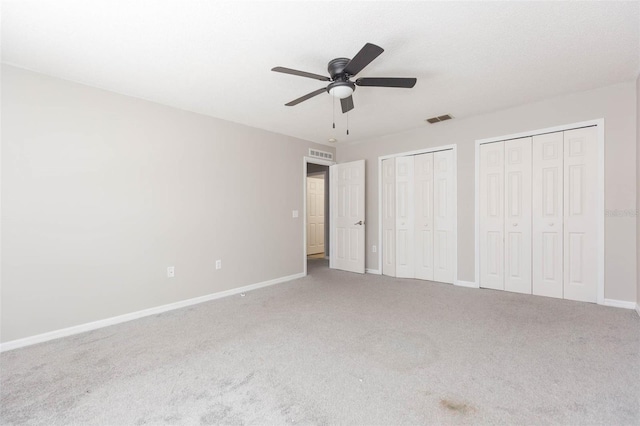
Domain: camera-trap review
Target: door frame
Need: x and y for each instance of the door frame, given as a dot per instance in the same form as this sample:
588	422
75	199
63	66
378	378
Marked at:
306	160
599	123
454	148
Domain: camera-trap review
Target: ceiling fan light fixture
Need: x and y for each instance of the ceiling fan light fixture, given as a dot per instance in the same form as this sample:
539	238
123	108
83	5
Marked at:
341	89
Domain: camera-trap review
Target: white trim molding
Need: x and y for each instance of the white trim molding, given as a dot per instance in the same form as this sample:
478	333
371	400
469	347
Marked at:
638	308
373	271
619	304
64	332
599	123
469	284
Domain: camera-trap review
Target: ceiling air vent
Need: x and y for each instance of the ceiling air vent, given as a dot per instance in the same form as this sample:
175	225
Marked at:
439	119
320	154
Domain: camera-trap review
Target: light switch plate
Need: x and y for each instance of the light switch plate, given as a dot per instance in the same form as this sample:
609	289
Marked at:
295	213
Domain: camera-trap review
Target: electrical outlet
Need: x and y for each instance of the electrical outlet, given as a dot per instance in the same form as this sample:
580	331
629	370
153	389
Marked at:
218	264
374	249
171	271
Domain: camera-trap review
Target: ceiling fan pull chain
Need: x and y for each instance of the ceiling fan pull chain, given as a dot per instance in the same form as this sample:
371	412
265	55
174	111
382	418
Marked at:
334	112
347	124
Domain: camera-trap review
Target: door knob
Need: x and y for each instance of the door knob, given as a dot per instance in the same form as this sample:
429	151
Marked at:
515	224
359	223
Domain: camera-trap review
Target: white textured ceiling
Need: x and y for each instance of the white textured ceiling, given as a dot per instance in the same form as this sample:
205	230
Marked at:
214	57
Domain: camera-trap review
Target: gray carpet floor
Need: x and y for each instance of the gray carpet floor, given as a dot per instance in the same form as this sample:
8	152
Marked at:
340	348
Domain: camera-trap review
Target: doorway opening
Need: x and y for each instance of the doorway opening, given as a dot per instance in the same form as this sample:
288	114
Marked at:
316	214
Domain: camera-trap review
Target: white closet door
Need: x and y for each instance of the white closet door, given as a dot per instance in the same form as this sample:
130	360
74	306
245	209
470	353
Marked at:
491	200
517	214
580	205
423	170
404	217
548	171
389	217
443	217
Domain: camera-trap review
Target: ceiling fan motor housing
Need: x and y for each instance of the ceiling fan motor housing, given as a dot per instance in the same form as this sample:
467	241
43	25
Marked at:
336	67
340	84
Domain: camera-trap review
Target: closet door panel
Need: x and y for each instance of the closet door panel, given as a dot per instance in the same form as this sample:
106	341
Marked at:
547	236
405	241
389	217
443	216
580	205
517	228
423	170
491	204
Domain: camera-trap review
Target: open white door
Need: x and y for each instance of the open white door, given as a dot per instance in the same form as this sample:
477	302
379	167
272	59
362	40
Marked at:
347	216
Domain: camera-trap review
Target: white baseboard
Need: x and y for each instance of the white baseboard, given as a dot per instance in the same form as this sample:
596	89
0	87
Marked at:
638	308
469	284
619	304
39	338
373	271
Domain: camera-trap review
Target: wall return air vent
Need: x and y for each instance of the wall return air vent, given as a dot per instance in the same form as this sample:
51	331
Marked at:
445	117
320	154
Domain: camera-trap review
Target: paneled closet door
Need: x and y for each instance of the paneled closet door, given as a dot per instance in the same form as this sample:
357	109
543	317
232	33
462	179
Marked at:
443	216
547	236
517	214
423	170
405	241
580	206
491	204
389	217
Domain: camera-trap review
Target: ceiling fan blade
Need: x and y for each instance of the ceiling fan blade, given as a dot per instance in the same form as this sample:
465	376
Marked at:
301	73
305	97
347	104
407	83
363	58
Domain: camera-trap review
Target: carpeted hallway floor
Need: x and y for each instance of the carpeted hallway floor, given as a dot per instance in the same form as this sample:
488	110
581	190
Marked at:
340	348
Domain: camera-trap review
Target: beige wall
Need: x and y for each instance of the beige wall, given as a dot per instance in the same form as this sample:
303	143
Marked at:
101	192
616	104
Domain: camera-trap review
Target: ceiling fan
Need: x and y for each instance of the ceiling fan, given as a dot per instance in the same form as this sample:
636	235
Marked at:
341	70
